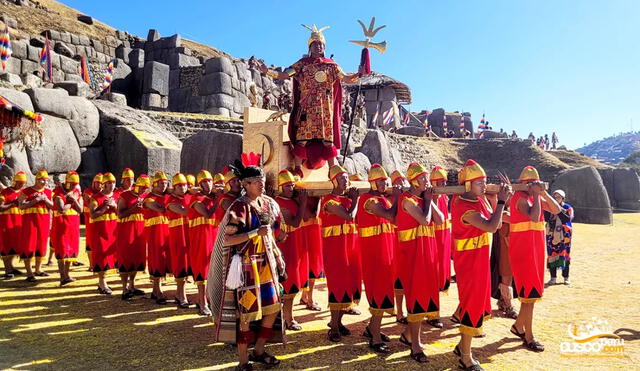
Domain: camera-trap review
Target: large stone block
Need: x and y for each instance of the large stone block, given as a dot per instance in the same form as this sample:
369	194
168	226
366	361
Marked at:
51	101
33	53
376	147
153	35
11	78
20	98
84	120
174	80
31	81
28	66
59	150
220	111
218	101
179	99
93	161
123	53
586	193
131	139
216	83
151	101
16	160
156	78
173	42
84	40
177	60
62	49
76	88
14	65
211	150
19	49
219	64
69	65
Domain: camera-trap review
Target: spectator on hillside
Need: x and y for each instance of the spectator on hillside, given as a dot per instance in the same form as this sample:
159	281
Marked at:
554	141
531	137
514	135
546	142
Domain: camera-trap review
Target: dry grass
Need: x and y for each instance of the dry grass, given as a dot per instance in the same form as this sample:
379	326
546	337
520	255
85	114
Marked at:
47	327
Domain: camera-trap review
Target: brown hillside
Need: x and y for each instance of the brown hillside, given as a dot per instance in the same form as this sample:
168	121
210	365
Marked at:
57	16
576	159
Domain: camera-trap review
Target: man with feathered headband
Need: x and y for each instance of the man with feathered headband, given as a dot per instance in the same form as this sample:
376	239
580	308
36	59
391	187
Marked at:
245	270
314	124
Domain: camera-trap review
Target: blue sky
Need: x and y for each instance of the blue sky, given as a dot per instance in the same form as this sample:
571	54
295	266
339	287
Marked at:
542	66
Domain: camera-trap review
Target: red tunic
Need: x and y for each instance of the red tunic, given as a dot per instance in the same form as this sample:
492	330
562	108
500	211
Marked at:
418	263
86	196
178	234
219	214
103	236
527	251
471	262
36	224
294	251
156	226
10	224
131	243
65	232
376	243
443	240
202	237
312	238
339	238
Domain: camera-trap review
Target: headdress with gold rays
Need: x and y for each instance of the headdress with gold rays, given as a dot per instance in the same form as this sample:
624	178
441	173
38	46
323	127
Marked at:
316	34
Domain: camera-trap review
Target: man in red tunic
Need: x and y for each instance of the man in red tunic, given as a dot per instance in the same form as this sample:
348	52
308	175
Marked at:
293	247
438	178
202	235
339	238
399	183
527	250
178	235
67	201
126	181
11	223
36	204
311	230
104	223
131	243
96	187
314	123
375	218
417	252
156	228
232	187
473	220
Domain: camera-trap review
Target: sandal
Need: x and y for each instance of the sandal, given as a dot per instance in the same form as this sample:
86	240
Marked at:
455	319
514	331
293	326
344	331
380	347
30	279
42	274
7	276
435	323
402	320
264	358
403	340
334	336
473	367
161	301
534	345
353	312
137	292
65	281
313	306
419	357
106	291
244	367
16	272
367	334
511	313
456	351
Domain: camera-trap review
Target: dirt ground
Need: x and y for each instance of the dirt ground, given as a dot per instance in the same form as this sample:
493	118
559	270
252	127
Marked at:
48	327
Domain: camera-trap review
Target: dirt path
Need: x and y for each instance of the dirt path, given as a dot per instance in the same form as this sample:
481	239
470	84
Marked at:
46	327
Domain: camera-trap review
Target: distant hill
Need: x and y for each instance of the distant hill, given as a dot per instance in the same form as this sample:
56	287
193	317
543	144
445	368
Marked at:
613	150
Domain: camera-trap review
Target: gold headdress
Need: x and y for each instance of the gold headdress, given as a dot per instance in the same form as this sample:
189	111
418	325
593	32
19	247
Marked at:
316	34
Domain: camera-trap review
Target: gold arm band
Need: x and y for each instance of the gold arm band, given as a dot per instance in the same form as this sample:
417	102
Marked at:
272	74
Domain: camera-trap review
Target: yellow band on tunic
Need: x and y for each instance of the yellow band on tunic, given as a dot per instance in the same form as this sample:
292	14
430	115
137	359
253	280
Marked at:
201	220
11	211
287	228
156	220
413	233
376	230
443	226
36	210
105	218
65	213
527	226
309	222
338	230
138	217
472	243
176	222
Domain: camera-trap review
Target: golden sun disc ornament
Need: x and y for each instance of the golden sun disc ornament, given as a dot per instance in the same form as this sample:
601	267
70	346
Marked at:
320	76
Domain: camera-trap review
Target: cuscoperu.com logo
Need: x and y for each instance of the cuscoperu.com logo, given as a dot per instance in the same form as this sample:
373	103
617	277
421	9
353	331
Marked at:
593	338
